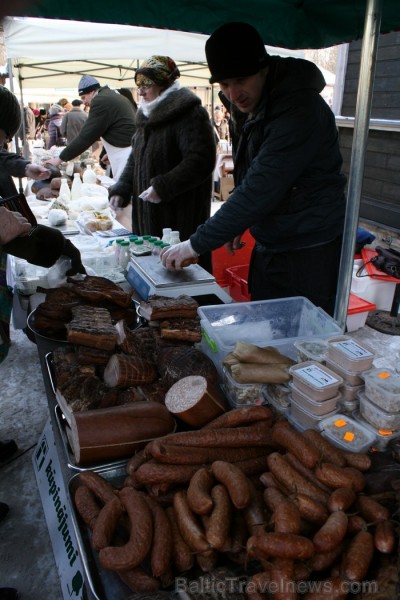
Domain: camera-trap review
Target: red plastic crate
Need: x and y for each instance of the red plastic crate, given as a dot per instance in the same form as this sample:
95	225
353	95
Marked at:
221	260
238	283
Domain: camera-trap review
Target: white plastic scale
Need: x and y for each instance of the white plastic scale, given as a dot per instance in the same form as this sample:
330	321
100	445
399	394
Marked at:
147	275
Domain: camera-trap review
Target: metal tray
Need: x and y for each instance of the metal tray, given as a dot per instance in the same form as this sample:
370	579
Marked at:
63	428
104	585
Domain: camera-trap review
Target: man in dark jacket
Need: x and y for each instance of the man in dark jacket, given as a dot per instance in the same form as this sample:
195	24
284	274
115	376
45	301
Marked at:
287	170
73	121
111	119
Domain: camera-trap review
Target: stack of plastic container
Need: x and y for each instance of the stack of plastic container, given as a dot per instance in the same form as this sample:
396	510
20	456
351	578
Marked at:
315	394
380	404
349	359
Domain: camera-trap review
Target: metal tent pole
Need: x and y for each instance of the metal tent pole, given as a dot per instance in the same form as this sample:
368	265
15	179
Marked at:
16	140
360	137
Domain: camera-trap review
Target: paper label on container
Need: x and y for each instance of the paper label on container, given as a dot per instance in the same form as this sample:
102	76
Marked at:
351	349
316	377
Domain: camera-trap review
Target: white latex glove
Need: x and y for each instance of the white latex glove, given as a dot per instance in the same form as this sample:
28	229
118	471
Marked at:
12	225
150	195
116	202
174	257
37	172
234	245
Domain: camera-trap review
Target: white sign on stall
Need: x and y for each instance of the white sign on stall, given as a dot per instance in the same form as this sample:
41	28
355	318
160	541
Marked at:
56	508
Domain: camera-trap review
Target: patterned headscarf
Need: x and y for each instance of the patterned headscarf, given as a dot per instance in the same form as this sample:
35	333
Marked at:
161	70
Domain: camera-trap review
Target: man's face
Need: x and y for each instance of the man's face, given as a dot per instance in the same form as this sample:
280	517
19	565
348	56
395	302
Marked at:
244	92
87	98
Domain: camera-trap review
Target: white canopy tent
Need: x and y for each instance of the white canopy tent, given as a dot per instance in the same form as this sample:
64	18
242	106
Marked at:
55	53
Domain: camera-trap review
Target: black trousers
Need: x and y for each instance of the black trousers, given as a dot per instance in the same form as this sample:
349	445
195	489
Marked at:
309	272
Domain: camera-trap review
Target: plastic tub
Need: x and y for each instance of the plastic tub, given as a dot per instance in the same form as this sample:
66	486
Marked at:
315	380
382	387
383	436
357	312
304	418
277	395
276	323
346	433
350	377
349	392
241	394
379	418
315	408
311	350
348	406
349	354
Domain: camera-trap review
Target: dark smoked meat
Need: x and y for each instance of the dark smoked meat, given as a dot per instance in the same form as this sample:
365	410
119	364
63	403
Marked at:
177	362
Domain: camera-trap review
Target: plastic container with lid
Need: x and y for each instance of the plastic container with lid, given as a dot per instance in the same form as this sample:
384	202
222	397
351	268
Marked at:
318	409
174	238
123	258
139	248
241	394
277	395
278	323
348	406
350	377
157	247
311	350
349	392
346	433
358	311
166	234
350	354
382	436
379	418
315	380
304	418
382	387
89	176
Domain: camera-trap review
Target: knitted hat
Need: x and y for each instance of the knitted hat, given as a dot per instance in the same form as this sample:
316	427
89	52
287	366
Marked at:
161	70
235	50
87	84
10	112
76	102
55	109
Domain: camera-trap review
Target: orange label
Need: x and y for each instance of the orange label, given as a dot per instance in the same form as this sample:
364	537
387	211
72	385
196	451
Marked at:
348	436
384	432
340	423
384	375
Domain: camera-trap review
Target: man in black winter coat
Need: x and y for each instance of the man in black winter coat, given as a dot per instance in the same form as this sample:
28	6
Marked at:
289	189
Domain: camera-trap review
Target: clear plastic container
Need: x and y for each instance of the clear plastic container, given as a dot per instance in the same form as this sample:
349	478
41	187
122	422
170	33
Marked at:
382	387
139	248
123	258
383	436
240	394
350	354
277	395
174	238
349	392
315	380
350	377
346	433
277	323
311	350
318	409
166	235
304	418
348	406
379	418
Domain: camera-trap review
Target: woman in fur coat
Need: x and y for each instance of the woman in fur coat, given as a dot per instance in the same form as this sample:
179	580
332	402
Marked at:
168	176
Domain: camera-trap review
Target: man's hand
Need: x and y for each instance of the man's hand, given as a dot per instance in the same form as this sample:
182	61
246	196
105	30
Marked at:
150	195
175	257
37	172
234	245
12	225
117	202
73	253
53	161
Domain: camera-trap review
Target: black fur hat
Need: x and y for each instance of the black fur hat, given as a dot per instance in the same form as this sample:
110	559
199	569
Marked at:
10	112
235	50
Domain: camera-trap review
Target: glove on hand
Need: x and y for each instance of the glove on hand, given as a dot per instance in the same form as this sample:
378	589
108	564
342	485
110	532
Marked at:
73	253
150	195
117	202
175	257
